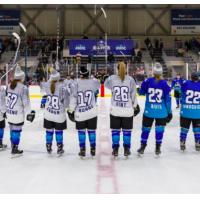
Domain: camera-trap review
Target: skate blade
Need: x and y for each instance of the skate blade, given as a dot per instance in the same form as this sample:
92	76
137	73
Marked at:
49	153
197	152
82	157
140	155
16	156
93	157
126	157
116	157
2	149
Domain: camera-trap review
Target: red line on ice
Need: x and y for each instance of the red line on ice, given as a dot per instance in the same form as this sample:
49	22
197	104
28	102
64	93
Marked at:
105	171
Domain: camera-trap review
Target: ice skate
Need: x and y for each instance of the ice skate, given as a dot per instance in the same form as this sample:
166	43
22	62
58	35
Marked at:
157	150
82	153
177	107
2	146
42	106
16	152
115	152
127	151
11	144
197	146
141	149
93	151
49	149
182	145
60	150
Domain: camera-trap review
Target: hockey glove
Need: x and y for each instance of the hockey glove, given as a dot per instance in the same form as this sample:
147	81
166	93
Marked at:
136	110
105	77
169	118
97	76
31	117
71	115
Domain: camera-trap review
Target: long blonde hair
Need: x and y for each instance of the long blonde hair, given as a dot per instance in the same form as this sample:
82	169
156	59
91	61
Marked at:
52	87
121	70
158	77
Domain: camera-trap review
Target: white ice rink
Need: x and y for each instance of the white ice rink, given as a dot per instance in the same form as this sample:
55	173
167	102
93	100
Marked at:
36	172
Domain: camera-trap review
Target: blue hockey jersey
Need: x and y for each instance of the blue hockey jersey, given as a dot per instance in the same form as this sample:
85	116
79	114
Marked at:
158	98
177	83
190	107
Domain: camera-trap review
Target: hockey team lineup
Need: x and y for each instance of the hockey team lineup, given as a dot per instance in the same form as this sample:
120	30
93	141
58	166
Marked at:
78	99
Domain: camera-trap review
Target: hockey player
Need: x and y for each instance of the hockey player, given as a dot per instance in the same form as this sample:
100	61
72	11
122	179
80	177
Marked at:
190	110
18	103
157	107
176	85
2	116
42	91
68	82
55	112
123	108
82	102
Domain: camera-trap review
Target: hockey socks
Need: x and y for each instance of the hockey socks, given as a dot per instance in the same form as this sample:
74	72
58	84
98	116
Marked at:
1	134
92	137
82	138
196	134
49	136
177	101
59	137
145	134
127	138
44	100
115	138
16	137
184	132
159	134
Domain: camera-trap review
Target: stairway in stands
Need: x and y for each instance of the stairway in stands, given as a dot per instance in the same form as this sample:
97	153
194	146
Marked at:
158	58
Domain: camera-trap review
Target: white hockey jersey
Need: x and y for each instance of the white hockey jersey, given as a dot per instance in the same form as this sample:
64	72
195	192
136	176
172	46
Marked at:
82	99
67	83
42	88
123	95
18	103
2	102
55	109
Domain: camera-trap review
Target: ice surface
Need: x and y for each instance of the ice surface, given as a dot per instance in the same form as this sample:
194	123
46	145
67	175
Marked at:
36	172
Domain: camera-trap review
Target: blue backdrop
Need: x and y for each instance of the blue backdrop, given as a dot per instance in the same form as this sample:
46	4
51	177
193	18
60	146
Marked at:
84	46
9	21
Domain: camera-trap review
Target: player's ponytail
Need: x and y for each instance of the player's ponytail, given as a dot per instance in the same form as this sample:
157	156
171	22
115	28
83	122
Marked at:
13	84
158	77
53	86
121	70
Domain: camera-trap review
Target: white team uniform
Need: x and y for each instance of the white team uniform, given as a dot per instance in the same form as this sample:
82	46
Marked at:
42	88
82	99
2	103
55	109
18	103
123	95
67	83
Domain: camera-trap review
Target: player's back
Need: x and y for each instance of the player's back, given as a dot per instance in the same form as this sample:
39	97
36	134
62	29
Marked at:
55	109
158	99
190	107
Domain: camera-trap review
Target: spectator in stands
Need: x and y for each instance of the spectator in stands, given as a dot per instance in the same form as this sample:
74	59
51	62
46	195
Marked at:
156	42
139	55
2	71
161	44
39	73
169	73
150	46
54	41
78	58
152	54
147	41
54	56
180	53
133	54
85	36
110	59
57	65
187	45
90	56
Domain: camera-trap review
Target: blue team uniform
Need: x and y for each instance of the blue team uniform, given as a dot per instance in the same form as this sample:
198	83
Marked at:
176	85
190	109
157	106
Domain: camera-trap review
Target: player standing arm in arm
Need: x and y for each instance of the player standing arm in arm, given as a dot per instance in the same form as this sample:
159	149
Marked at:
176	85
82	104
157	107
190	110
18	103
55	112
123	107
2	116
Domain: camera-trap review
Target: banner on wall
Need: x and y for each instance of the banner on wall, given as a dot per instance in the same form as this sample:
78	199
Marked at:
114	46
9	22
185	21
